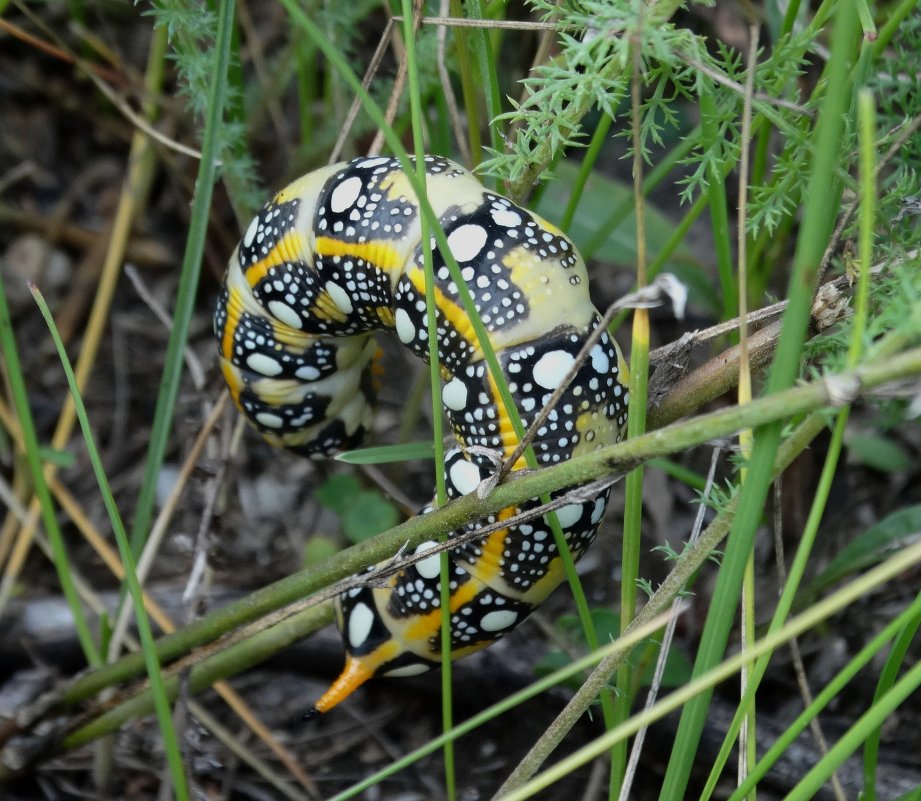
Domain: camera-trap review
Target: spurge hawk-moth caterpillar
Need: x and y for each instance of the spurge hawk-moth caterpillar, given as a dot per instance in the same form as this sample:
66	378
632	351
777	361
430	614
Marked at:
335	256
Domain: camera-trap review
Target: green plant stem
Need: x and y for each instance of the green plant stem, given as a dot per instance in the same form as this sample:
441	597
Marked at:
488	72
784	605
896	18
580	470
866	130
468	86
818	221
656	175
586	165
199	677
636	426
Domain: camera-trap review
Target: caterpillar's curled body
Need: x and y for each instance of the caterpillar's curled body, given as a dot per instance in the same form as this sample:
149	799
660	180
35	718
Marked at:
336	255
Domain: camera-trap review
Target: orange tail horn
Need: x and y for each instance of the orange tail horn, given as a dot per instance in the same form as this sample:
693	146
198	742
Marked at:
353	675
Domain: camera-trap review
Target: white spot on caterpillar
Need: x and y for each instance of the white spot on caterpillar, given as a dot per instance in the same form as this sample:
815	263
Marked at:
407	670
360	622
569	515
552	367
251	232
284	313
262	364
454	394
307	373
496	621
406	331
269	420
430	567
465	476
340	297
506	218
373	162
467	241
345	195
600	361
598	511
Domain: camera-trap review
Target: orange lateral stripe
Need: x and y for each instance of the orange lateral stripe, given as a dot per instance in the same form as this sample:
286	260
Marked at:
377	253
487	566
428	624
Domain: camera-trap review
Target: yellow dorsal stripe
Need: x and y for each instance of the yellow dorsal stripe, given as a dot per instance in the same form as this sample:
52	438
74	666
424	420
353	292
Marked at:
232	377
291	247
377	253
325	308
506	428
234	308
453	313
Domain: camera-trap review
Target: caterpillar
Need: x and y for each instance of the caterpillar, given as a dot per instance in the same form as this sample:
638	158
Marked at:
335	256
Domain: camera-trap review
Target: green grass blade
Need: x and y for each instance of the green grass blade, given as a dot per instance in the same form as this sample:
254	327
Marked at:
148	647
384	454
468	86
441	494
636	426
818	221
870	721
39	485
719	214
587	164
832	690
538	687
655	176
488	72
188	281
887	678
